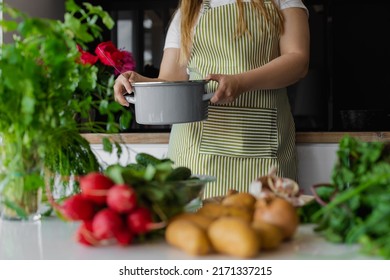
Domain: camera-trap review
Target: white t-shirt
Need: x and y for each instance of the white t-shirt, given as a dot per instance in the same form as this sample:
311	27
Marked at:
172	39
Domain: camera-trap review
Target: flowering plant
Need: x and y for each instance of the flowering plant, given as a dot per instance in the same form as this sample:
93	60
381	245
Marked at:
109	62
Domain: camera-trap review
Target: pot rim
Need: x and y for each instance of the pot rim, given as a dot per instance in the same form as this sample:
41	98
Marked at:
169	83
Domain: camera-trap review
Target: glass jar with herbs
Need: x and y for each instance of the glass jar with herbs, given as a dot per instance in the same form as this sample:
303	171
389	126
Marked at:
45	89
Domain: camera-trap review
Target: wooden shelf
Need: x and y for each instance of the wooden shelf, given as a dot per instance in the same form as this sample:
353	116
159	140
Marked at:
130	138
301	137
334	137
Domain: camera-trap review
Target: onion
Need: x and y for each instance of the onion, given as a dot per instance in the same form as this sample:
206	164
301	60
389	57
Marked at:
279	212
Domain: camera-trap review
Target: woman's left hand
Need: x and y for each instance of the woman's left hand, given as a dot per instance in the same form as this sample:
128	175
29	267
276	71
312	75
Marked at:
229	88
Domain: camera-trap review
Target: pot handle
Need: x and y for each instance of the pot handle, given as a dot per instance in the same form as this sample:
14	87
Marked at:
208	96
130	99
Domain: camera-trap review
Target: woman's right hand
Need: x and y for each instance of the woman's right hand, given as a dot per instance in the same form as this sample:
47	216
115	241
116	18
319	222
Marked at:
123	85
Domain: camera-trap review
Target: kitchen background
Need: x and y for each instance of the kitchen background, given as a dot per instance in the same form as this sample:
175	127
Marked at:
347	87
348	74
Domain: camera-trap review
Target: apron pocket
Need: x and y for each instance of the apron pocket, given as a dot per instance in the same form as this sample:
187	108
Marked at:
240	132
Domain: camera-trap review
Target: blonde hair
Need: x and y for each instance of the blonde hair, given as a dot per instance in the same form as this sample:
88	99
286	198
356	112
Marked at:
189	13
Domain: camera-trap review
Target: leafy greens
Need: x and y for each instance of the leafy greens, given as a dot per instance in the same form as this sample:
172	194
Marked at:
358	208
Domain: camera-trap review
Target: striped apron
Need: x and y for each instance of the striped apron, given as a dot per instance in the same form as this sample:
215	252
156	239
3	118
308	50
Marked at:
242	140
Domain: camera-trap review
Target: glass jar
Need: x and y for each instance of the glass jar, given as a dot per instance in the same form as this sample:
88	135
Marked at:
21	194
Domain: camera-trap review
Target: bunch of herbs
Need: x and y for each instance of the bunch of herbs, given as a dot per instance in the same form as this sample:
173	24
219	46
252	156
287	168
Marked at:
357	208
45	91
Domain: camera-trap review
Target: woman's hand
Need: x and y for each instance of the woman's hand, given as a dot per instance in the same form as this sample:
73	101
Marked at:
229	88
123	85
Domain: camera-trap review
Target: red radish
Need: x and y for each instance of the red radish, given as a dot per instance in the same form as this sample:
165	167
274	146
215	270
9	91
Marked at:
124	237
77	207
139	220
106	224
85	236
122	198
94	186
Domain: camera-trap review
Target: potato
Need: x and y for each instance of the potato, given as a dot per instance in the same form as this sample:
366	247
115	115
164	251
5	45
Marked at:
215	211
241	199
200	220
212	210
271	236
243	213
235	237
214	199
231	192
187	236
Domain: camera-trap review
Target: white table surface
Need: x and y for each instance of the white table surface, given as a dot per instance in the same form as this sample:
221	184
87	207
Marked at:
52	238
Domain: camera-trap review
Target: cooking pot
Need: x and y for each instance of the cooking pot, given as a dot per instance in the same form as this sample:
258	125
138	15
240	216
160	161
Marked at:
159	103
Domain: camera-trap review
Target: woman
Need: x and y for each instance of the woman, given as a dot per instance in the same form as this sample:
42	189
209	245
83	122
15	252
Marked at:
251	51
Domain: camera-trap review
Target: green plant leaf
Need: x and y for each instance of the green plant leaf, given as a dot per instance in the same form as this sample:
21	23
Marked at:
8	26
125	120
107	145
106	18
71	6
119	150
18	210
104	107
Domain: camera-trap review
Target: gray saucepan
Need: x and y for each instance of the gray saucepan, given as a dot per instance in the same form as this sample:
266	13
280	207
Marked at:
161	103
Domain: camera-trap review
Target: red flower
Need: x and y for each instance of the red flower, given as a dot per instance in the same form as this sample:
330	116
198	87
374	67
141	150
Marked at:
110	55
127	63
86	57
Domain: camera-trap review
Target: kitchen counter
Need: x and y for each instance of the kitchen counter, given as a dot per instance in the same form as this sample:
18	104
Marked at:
52	238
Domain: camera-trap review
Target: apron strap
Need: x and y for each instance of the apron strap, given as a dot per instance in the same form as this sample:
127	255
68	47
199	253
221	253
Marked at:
206	6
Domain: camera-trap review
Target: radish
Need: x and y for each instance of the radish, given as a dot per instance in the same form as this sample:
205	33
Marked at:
139	220
122	198
77	207
85	236
124	237
94	186
106	223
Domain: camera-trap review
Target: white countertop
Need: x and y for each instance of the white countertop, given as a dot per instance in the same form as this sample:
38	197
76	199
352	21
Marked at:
52	238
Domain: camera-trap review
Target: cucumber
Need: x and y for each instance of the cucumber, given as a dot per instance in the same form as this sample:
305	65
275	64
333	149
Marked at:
179	173
167	160
135	166
145	159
